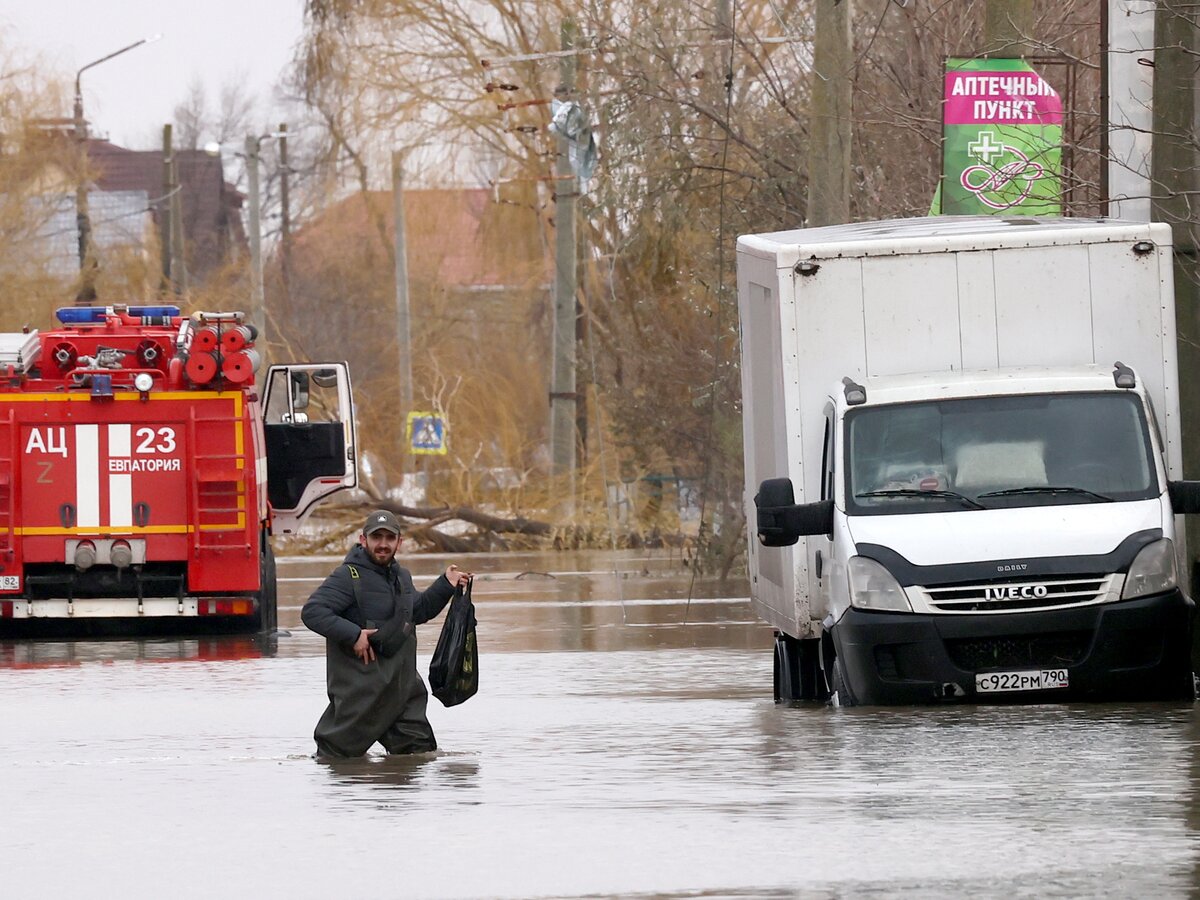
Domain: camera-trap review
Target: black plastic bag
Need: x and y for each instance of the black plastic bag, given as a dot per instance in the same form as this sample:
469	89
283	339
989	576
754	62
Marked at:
454	669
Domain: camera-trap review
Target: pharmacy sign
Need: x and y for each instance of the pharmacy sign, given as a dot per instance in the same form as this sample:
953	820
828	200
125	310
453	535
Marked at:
1002	140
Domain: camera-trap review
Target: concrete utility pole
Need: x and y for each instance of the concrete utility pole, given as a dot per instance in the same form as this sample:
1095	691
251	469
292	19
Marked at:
1175	191
165	219
257	315
1128	89
566	191
179	274
829	132
285	222
83	222
403	324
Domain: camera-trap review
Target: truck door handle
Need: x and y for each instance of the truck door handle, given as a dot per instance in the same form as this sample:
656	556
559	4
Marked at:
819	566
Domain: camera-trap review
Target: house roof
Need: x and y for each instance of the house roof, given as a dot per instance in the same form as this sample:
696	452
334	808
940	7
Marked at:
212	222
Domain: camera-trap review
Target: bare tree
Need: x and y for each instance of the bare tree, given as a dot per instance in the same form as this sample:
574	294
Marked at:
191	117
40	166
703	126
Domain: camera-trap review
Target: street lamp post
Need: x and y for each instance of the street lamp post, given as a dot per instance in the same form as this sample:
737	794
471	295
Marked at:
251	155
87	288
253	147
257	296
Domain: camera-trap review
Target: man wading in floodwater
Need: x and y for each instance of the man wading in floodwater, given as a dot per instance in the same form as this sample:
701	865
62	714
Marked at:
374	696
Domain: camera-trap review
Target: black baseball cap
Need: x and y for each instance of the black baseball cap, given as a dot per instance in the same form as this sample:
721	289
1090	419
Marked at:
383	520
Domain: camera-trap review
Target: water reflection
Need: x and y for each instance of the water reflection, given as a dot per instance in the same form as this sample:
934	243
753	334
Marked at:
449	770
1038	800
47	654
375	771
585	601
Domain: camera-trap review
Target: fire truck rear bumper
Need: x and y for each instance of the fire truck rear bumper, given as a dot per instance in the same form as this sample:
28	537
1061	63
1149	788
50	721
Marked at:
127	608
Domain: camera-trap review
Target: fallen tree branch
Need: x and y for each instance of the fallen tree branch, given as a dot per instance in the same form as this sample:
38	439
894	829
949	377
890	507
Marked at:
519	525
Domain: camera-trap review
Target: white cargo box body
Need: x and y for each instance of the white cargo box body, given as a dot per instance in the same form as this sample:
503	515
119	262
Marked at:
924	295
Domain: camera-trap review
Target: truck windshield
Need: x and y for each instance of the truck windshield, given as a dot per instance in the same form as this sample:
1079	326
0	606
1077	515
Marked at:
994	452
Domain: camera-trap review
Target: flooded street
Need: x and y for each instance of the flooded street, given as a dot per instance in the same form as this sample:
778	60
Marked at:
624	741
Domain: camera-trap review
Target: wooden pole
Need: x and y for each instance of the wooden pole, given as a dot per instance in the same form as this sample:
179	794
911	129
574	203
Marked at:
829	133
566	191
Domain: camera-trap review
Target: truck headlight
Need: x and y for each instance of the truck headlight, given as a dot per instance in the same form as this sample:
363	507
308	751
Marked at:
1152	571
874	587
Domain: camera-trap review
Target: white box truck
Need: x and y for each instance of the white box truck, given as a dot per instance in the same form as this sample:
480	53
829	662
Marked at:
963	463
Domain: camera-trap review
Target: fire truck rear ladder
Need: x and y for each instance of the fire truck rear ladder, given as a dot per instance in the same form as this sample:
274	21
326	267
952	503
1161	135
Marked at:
213	491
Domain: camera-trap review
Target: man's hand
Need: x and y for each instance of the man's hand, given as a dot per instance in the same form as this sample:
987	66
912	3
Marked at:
456	576
362	647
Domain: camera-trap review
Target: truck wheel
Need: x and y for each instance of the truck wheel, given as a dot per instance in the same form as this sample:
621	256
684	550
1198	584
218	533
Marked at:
1183	685
787	669
840	688
798	673
812	675
267	619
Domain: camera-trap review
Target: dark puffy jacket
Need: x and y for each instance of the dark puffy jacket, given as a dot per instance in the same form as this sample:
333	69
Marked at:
331	611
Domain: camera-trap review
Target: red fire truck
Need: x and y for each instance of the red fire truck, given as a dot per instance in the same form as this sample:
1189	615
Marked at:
141	471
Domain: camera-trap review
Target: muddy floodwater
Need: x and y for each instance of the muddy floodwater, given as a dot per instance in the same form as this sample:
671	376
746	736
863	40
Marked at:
624	742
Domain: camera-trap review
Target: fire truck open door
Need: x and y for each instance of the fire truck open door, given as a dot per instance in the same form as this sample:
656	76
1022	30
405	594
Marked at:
308	426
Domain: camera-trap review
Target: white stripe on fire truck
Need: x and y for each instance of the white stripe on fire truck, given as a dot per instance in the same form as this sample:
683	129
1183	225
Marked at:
118	439
87	476
120	487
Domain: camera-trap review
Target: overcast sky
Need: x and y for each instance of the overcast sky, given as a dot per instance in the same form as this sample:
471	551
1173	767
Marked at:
130	98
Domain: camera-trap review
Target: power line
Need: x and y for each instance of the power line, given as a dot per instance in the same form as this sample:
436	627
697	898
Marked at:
558	54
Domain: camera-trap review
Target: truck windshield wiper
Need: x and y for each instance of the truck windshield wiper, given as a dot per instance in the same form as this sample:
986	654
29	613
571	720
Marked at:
1048	489
913	492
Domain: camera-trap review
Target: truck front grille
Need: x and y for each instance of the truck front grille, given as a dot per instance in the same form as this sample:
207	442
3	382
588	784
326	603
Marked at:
1007	596
1052	650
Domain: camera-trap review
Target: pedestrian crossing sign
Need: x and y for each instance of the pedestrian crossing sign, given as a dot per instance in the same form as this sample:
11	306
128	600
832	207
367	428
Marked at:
426	433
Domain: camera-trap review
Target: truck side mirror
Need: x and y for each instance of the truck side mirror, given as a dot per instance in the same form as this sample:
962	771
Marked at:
781	522
299	390
775	492
1185	497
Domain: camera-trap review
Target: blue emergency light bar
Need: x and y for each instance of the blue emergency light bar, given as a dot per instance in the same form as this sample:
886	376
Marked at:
94	315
